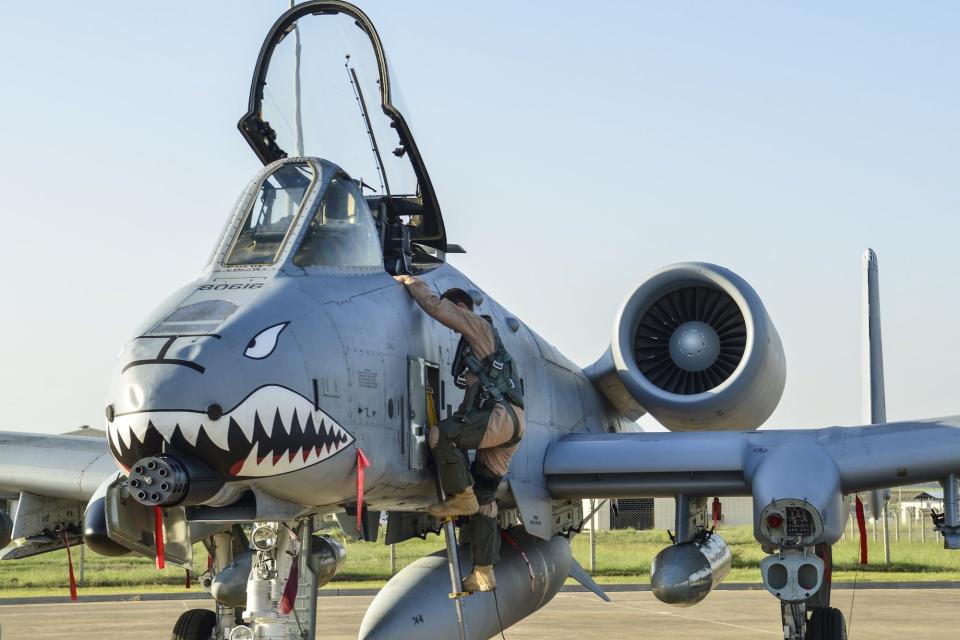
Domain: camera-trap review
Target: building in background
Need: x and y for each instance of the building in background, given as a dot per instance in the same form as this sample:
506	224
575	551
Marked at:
658	513
919	505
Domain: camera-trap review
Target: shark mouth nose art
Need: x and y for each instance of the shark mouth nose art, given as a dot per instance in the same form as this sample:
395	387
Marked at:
272	431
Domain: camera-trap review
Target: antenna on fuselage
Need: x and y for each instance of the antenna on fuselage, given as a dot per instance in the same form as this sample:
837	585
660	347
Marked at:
358	94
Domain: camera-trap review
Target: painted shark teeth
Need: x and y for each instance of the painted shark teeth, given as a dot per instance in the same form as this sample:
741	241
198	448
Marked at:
189	424
166	428
273	431
219	435
113	429
265	461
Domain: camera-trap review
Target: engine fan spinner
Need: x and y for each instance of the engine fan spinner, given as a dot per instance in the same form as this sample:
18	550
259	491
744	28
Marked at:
690	340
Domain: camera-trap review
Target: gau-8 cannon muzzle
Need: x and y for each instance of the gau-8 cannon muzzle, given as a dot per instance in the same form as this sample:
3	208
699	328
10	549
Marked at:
167	480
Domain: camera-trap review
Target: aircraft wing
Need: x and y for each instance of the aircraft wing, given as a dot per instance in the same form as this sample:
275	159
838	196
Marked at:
67	467
797	461
51	478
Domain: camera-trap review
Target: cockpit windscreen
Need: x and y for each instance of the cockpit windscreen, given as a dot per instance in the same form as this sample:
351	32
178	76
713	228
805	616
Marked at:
278	203
342	232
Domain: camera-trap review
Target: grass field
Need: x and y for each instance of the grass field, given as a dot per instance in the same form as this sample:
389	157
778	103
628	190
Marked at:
621	557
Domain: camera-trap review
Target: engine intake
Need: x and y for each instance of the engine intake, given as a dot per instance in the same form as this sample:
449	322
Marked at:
694	346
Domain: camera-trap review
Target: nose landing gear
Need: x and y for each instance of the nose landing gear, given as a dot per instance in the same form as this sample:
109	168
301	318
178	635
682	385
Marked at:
265	586
195	624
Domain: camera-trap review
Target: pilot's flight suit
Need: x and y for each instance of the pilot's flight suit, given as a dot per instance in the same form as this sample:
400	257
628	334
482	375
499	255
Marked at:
488	430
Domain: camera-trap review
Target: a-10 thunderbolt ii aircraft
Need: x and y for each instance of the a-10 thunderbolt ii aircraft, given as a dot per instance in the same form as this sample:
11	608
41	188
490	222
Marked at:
292	380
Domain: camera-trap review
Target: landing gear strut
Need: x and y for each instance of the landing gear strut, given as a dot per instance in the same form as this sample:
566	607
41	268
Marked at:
825	623
814	618
794	620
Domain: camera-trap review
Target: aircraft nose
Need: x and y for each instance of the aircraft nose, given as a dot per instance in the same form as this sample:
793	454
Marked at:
157	386
238	401
135	398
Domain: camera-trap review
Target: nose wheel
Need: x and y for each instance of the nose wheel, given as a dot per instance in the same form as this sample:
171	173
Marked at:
195	624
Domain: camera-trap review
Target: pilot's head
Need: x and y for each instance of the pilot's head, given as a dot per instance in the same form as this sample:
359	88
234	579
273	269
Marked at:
458	297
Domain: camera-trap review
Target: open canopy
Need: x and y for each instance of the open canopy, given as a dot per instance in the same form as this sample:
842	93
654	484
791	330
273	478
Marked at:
322	88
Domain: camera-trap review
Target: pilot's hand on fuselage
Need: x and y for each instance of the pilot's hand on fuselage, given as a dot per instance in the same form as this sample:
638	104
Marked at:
405	279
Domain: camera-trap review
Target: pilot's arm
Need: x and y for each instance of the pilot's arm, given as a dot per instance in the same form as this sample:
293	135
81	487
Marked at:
443	311
472	327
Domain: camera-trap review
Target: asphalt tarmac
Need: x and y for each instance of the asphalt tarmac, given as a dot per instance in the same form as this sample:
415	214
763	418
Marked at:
741	615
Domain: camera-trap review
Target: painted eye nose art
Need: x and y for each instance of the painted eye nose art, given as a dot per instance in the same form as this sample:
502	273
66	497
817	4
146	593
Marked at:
263	344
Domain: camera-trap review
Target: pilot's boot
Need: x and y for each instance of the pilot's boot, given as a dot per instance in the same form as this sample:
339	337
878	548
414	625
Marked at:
462	504
480	579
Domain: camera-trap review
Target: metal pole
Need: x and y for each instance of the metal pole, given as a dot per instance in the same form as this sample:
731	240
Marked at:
951	513
457	593
897	522
83	562
297	114
950	506
593	538
886	535
456	582
222	557
682	518
306	599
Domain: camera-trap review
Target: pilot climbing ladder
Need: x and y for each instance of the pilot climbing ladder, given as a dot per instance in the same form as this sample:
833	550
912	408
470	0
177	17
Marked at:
457	594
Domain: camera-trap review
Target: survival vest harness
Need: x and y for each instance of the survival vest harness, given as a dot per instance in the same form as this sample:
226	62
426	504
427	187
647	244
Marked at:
497	376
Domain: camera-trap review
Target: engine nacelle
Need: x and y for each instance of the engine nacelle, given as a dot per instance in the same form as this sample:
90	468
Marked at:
693	346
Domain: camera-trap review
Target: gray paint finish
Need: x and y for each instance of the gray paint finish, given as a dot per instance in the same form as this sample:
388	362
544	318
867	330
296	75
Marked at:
275	376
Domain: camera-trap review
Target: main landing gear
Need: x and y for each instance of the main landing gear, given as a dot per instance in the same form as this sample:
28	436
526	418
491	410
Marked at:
811	618
826	624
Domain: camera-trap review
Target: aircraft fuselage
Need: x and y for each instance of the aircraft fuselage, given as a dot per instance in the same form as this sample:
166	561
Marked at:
273	377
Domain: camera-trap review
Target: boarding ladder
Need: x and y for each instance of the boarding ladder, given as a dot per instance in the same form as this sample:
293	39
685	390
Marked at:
457	594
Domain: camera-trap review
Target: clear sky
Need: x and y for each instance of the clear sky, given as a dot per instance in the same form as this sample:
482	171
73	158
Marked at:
573	152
